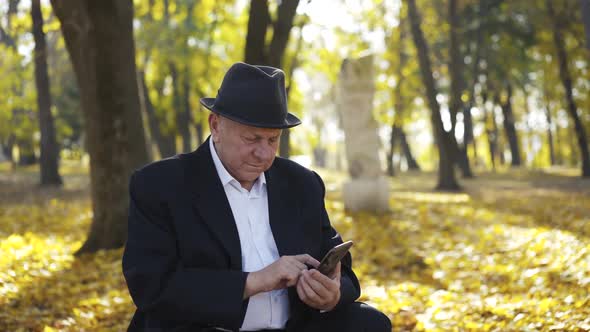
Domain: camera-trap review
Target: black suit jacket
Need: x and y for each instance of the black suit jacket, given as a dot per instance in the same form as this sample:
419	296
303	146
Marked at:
182	260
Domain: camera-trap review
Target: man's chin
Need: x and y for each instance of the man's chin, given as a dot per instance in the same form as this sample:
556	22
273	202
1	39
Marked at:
251	176
256	171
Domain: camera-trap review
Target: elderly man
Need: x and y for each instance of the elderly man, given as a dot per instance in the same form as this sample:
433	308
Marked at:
225	238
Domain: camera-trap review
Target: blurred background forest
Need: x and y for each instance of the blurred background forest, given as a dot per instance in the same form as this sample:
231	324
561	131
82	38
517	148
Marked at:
481	112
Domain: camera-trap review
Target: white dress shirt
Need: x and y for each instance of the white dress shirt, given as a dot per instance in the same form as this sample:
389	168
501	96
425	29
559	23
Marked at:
268	310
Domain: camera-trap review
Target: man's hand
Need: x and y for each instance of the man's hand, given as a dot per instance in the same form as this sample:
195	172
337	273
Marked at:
281	274
319	291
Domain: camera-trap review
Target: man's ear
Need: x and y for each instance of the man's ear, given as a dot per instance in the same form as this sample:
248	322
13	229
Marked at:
214	126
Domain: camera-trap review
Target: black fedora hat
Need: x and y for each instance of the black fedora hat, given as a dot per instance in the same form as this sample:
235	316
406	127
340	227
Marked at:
254	96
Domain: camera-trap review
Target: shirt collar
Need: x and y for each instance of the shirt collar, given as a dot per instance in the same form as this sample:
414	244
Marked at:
227	178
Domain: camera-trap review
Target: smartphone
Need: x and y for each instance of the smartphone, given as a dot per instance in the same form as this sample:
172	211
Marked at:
329	262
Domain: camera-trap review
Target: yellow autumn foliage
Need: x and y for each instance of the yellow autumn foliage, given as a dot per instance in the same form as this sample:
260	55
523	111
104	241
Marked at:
509	253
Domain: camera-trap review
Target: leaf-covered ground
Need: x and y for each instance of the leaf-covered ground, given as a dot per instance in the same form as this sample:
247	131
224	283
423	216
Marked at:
510	253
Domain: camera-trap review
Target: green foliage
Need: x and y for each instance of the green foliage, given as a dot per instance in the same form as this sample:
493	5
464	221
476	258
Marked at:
203	38
18	106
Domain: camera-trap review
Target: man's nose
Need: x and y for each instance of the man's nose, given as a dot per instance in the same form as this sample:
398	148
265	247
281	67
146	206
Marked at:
263	151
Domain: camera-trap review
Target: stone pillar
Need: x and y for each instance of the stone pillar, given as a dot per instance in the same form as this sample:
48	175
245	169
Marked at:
368	188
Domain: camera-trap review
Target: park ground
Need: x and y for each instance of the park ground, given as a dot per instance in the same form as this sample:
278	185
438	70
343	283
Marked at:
511	252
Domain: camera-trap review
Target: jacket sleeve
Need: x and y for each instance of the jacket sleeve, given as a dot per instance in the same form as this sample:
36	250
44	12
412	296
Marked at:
350	289
159	284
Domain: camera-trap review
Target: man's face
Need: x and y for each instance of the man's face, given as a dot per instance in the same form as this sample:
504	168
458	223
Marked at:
245	151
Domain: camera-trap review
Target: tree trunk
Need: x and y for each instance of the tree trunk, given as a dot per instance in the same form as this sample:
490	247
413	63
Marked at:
49	147
164	143
26	152
99	39
7	147
550	136
276	51
319	156
177	102
168	143
574	160
392	140
258	21
210	39
285	141
8	40
585	7
552	155
446	174
258	53
498	147
510	129
149	139
566	81
407	152
398	134
558	146
281	30
397	95
455	63
200	133
528	134
185	111
489	118
468	137
185	114
5	37
456	68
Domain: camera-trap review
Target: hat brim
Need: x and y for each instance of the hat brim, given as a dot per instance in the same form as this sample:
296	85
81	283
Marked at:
290	121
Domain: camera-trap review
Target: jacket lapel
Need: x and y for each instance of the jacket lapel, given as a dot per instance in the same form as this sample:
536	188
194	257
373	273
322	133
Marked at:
210	202
283	214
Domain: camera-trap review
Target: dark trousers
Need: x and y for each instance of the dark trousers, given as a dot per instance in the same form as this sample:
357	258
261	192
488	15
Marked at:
356	317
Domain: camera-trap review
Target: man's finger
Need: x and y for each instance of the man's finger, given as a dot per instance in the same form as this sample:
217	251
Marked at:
307	259
300	266
318	286
300	291
310	294
331	285
292	274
